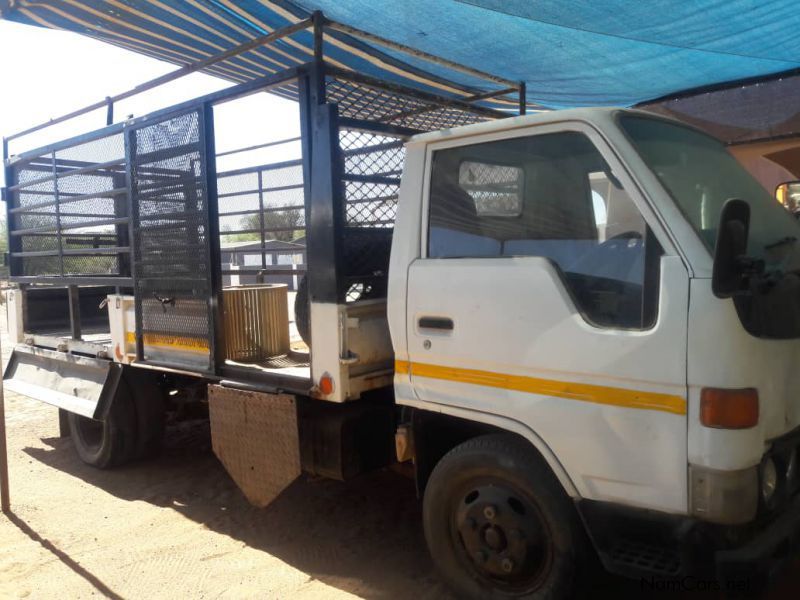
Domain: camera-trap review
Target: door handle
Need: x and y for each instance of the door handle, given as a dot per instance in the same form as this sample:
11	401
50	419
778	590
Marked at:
443	323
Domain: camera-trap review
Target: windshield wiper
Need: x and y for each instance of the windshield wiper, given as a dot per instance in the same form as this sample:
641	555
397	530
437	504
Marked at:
789	239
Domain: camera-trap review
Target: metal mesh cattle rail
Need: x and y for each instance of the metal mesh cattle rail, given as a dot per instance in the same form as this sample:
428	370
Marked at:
376	118
68	211
259	206
139	205
367	99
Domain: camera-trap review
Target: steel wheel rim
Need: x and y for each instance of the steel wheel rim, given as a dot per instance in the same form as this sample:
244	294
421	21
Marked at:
501	536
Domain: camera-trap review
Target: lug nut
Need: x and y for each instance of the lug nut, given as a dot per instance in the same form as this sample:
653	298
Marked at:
490	512
507	565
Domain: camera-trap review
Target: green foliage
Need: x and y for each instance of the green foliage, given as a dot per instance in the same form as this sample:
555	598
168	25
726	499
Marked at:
240	237
282	225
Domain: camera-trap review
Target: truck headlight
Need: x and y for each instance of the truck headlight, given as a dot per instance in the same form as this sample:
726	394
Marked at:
769	479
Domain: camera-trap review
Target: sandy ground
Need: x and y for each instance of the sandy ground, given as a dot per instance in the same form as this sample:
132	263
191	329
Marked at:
177	527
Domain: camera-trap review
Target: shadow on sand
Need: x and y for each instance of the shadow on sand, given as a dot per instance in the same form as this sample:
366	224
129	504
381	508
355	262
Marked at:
67	560
364	537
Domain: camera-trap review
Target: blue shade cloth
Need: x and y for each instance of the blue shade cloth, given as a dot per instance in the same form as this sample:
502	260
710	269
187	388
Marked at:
570	53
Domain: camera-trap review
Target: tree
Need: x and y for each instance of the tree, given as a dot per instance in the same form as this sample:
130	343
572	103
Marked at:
283	225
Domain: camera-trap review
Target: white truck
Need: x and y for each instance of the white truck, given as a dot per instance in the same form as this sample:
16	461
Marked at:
586	340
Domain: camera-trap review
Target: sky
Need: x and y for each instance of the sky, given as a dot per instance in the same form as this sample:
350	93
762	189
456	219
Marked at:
46	73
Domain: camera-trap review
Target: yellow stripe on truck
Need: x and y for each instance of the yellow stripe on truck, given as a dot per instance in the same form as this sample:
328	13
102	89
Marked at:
170	341
584	392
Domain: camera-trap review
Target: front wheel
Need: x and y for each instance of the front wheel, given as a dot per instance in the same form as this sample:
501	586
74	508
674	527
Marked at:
499	525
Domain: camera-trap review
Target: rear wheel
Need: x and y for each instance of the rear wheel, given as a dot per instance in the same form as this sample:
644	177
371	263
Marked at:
108	443
499	525
148	401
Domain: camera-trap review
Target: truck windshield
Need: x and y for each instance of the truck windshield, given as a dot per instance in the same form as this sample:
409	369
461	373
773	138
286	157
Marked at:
700	175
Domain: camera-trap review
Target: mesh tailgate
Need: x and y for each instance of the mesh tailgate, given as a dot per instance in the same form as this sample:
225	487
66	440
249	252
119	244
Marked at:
172	258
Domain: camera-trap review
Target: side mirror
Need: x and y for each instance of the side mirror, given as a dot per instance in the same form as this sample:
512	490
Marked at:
727	277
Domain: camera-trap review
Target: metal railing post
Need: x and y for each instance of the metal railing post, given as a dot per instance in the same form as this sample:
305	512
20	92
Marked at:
261	221
74	311
109	110
217	337
318	73
59	236
5	496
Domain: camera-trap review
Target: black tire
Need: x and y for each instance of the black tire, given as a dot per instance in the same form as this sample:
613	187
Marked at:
108	443
499	525
302	311
148	402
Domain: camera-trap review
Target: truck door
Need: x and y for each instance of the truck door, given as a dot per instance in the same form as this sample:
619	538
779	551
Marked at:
544	296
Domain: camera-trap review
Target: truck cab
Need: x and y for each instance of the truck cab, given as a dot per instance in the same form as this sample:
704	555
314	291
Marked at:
569	279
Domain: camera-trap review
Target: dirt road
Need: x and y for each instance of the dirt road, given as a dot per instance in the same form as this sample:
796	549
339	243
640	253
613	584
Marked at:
177	527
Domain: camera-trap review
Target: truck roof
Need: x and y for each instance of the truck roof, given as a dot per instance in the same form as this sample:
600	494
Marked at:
580	114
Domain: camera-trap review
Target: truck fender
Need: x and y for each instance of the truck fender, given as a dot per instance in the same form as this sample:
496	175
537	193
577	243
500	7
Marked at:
504	423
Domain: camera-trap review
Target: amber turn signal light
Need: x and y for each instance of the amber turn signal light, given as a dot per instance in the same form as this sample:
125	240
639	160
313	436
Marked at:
326	384
729	409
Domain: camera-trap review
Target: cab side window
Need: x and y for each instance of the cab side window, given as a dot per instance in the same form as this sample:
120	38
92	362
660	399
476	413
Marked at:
551	196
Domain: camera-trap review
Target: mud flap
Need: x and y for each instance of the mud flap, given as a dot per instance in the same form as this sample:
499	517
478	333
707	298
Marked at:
77	384
255	436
